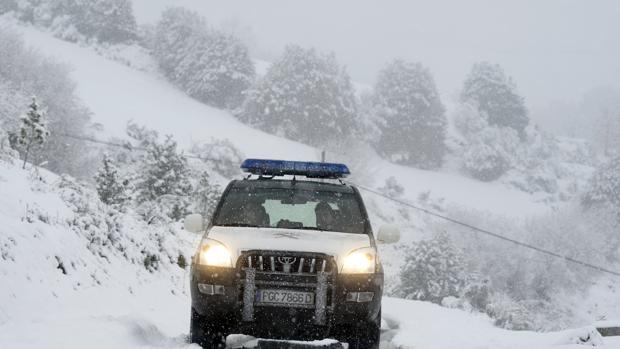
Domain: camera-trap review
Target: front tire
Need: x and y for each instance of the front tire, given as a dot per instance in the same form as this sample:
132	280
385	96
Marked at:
209	333
366	335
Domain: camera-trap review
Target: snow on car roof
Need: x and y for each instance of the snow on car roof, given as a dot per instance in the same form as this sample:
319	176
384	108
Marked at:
607	323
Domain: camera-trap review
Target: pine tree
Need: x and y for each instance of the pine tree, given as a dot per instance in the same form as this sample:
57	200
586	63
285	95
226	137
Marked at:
110	187
110	21
164	172
206	196
433	270
174	36
411	118
163	181
33	131
604	187
209	65
495	95
488	151
304	96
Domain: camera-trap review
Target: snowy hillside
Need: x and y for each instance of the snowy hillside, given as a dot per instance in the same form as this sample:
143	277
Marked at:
116	94
58	240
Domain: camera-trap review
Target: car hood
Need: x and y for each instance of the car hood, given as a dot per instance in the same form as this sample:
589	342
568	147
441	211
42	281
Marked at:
239	239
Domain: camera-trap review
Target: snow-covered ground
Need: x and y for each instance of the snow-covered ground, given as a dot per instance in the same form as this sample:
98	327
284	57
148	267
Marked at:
103	296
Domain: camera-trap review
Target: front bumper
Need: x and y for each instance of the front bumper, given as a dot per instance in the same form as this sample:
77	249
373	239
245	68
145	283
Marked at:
332	309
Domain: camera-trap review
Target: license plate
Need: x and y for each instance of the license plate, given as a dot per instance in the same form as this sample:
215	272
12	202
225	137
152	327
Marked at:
285	298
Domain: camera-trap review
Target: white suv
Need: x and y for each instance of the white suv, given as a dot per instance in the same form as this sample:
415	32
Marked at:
288	258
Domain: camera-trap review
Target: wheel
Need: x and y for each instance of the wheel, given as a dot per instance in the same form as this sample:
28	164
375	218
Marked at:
209	333
365	335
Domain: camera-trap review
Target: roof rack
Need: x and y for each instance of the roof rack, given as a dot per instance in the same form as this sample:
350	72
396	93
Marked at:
265	167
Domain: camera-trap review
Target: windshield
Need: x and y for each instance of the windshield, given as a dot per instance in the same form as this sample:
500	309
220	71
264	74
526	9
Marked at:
291	209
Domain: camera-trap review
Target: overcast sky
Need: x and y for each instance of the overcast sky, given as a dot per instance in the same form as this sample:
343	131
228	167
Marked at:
554	49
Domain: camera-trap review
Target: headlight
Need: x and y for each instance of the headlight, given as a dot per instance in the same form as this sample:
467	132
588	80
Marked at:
360	261
214	254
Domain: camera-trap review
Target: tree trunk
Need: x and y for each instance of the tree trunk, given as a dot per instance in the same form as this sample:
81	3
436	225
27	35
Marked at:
26	155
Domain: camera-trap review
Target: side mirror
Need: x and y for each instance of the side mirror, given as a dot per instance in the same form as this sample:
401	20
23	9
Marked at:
194	223
388	234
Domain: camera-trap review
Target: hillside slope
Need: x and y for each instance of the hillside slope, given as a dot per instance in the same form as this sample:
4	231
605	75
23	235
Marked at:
117	94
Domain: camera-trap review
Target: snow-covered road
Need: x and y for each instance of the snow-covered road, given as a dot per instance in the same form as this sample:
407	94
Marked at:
154	318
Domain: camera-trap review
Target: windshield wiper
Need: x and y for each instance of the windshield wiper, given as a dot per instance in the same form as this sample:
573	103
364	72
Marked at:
240	225
304	228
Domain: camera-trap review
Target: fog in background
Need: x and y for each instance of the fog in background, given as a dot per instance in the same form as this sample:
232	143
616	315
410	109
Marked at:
555	50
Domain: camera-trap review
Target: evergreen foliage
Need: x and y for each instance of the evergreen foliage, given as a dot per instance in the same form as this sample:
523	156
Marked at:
221	155
33	131
209	65
163	184
165	172
489	151
206	196
110	21
433	270
306	96
111	188
106	20
604	185
495	95
412	121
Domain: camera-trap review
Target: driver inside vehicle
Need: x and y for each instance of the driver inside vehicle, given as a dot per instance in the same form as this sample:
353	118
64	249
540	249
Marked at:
254	214
325	216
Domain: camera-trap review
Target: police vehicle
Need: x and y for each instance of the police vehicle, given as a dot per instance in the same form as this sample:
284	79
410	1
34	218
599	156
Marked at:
288	254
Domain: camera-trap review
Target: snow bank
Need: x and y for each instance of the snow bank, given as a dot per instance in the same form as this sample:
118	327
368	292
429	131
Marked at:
423	325
57	239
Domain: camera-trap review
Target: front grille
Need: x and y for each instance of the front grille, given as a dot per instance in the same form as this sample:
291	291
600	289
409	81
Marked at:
286	262
305	271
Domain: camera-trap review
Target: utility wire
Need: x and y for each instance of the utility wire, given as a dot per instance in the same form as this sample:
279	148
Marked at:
130	147
489	233
127	146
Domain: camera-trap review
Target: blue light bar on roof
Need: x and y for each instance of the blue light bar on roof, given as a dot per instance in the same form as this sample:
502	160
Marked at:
295	168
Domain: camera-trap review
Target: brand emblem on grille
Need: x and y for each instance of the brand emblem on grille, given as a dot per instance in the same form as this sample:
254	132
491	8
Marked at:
287	263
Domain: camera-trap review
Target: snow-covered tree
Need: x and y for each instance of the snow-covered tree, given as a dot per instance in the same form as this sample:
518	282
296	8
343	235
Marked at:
306	96
206	196
495	95
485	162
33	131
209	65
109	21
176	28
488	151
164	178
433	270
106	20
111	188
221	155
411	118
604	186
